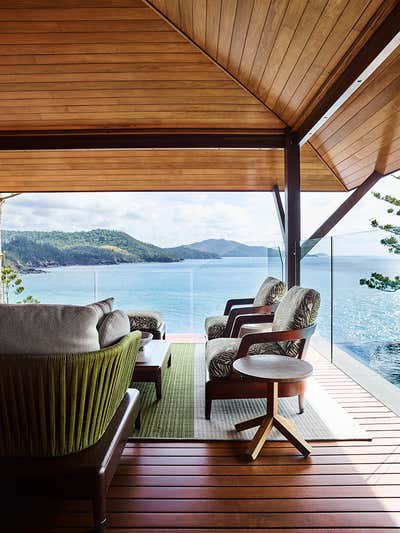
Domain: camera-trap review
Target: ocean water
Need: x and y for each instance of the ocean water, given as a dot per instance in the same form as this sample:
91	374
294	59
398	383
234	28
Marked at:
189	291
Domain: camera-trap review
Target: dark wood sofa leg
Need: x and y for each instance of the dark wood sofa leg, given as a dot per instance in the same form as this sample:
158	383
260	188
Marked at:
99	506
301	403
208	405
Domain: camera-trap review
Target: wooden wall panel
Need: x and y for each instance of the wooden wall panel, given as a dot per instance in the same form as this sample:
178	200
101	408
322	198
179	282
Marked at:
116	64
95	170
364	134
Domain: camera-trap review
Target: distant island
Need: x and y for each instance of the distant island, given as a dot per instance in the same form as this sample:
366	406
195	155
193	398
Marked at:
30	251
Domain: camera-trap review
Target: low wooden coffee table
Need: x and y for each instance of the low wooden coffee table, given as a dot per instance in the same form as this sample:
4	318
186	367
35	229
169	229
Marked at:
157	356
274	369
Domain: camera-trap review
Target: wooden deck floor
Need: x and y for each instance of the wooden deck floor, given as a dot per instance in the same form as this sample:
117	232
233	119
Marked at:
210	486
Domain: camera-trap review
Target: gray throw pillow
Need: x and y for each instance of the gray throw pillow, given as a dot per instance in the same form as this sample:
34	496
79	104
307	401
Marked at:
47	329
115	325
102	308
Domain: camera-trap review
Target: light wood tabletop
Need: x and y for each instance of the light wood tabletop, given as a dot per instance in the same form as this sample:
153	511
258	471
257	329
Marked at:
279	368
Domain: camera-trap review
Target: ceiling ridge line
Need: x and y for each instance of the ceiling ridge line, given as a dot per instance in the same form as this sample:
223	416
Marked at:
216	63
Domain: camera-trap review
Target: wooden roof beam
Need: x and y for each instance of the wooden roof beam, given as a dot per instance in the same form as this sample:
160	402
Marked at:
340	212
383	42
136	139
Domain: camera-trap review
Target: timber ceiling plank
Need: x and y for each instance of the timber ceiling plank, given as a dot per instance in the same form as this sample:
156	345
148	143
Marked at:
118	65
201	169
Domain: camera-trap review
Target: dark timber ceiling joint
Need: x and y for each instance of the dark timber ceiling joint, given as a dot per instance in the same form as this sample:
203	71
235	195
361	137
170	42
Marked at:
385	39
340	212
109	140
279	208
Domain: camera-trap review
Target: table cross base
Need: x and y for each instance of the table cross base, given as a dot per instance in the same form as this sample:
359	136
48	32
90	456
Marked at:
268	422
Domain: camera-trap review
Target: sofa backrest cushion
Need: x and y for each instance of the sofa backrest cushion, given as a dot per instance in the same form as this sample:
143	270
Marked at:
102	308
114	326
47	329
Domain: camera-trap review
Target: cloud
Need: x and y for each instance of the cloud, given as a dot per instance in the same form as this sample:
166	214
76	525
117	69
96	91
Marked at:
173	218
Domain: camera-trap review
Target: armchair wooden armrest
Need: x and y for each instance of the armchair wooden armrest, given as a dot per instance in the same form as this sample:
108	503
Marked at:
236	301
273	336
241	320
254	310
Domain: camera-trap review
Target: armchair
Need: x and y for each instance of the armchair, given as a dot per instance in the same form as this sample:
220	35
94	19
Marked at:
292	326
265	302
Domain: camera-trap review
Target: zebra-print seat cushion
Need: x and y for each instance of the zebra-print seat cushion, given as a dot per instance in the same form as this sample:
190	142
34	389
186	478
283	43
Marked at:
221	353
215	326
144	319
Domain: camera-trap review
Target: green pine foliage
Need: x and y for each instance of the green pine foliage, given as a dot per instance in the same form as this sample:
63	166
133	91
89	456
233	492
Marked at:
12	287
391	243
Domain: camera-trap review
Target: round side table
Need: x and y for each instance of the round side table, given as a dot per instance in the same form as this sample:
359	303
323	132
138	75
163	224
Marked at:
274	369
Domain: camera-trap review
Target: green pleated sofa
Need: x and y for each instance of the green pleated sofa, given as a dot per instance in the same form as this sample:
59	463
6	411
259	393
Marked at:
65	416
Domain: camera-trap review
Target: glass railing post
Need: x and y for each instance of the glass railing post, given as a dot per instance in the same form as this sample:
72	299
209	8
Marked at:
332	296
95	284
191	281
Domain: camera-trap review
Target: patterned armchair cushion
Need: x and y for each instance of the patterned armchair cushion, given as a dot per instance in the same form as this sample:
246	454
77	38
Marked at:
221	353
298	309
270	292
144	319
215	326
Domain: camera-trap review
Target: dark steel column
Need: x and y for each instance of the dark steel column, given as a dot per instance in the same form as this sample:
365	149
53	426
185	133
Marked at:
292	210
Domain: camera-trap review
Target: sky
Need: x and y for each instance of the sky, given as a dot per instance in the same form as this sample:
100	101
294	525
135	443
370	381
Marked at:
169	219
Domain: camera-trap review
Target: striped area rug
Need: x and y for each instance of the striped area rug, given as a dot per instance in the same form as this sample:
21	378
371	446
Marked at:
180	412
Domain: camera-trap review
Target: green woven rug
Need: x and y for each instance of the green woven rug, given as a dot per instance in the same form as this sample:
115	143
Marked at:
173	415
180	412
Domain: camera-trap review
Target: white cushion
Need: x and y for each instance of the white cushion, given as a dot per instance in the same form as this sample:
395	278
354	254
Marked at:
102	308
47	329
114	326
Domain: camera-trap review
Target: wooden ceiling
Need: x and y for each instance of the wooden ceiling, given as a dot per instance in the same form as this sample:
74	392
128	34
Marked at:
157	170
66	64
364	134
287	52
231	65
